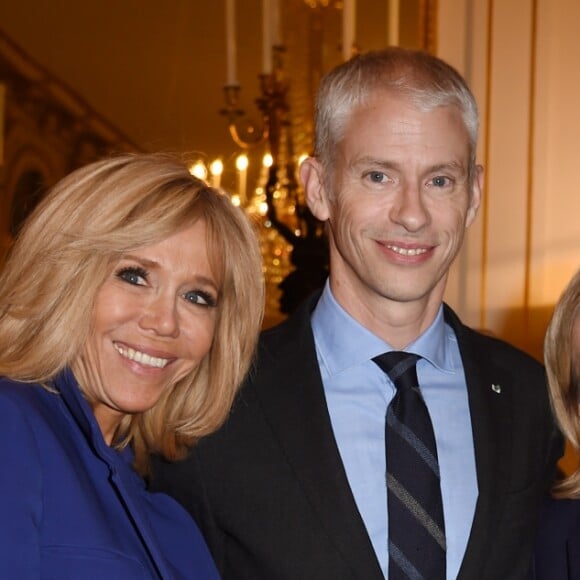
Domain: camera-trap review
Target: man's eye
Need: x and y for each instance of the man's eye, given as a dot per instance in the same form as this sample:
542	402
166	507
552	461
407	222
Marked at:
440	181
377	176
133	275
201	298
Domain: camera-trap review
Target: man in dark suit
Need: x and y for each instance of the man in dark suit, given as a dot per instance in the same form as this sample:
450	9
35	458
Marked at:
293	486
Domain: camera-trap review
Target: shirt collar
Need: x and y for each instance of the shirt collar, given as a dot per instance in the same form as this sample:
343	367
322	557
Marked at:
342	342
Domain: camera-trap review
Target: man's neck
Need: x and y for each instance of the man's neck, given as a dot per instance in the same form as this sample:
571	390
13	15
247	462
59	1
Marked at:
397	323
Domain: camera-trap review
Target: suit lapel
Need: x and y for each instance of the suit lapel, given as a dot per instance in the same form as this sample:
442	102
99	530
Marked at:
491	407
298	416
297	413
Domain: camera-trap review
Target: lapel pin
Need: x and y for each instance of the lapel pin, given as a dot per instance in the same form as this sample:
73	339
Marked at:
496	388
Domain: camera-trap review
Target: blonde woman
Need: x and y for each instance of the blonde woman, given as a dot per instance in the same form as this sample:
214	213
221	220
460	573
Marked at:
129	310
557	554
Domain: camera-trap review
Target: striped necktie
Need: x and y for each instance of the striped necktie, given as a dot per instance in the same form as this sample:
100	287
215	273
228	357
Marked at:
415	508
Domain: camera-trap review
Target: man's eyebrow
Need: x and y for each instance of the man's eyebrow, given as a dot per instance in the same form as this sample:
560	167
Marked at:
454	164
387	164
376	162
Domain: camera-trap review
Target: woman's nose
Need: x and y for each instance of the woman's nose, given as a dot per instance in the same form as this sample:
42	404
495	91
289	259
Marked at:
161	317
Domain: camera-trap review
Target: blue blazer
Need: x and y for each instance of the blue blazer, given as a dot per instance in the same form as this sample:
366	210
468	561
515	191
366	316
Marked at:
72	507
557	550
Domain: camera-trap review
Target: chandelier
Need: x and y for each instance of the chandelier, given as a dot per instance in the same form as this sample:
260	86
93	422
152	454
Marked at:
292	241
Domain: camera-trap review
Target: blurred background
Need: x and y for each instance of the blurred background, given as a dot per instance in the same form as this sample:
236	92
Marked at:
79	80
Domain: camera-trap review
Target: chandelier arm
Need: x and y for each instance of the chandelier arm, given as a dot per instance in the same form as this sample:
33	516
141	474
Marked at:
248	137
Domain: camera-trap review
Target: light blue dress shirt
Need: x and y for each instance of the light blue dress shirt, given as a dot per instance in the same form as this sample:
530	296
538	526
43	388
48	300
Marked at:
358	393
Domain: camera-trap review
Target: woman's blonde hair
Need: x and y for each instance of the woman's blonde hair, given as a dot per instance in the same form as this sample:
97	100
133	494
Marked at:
68	247
564	376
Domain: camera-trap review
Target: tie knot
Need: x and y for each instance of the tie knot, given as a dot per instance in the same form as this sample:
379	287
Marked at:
400	366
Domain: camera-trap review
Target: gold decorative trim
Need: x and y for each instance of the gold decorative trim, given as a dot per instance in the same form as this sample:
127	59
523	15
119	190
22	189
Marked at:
530	173
486	155
429	25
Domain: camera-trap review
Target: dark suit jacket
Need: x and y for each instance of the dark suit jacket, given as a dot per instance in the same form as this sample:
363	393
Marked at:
271	495
557	550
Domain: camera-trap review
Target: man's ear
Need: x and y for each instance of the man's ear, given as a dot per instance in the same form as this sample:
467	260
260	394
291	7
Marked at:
311	175
475	195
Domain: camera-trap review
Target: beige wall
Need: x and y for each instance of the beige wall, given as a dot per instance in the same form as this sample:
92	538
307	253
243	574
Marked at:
521	57
522	60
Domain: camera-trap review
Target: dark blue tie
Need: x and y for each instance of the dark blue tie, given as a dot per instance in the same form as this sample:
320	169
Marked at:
415	508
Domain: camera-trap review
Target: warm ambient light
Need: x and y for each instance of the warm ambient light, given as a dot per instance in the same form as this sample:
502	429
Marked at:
198	170
216	169
242	167
267	160
242	162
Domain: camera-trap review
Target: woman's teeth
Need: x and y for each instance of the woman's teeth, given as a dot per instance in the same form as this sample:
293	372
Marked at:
141	357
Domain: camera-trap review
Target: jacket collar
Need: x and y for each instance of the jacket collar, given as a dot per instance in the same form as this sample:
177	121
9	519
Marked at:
124	478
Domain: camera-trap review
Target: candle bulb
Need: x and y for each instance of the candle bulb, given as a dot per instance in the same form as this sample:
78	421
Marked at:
198	170
348	28
231	78
216	169
242	167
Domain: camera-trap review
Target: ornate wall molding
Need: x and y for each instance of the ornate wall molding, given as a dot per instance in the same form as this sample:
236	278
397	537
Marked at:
49	130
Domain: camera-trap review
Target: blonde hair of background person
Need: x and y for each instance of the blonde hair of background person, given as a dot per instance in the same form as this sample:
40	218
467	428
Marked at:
69	246
562	360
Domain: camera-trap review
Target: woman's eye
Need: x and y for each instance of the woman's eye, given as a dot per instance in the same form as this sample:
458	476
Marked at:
201	298
133	275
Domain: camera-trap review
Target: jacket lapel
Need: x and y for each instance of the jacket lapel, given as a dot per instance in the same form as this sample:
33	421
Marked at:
126	482
491	408
299	418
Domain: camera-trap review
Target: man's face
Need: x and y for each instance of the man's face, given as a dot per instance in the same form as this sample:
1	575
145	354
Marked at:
397	203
